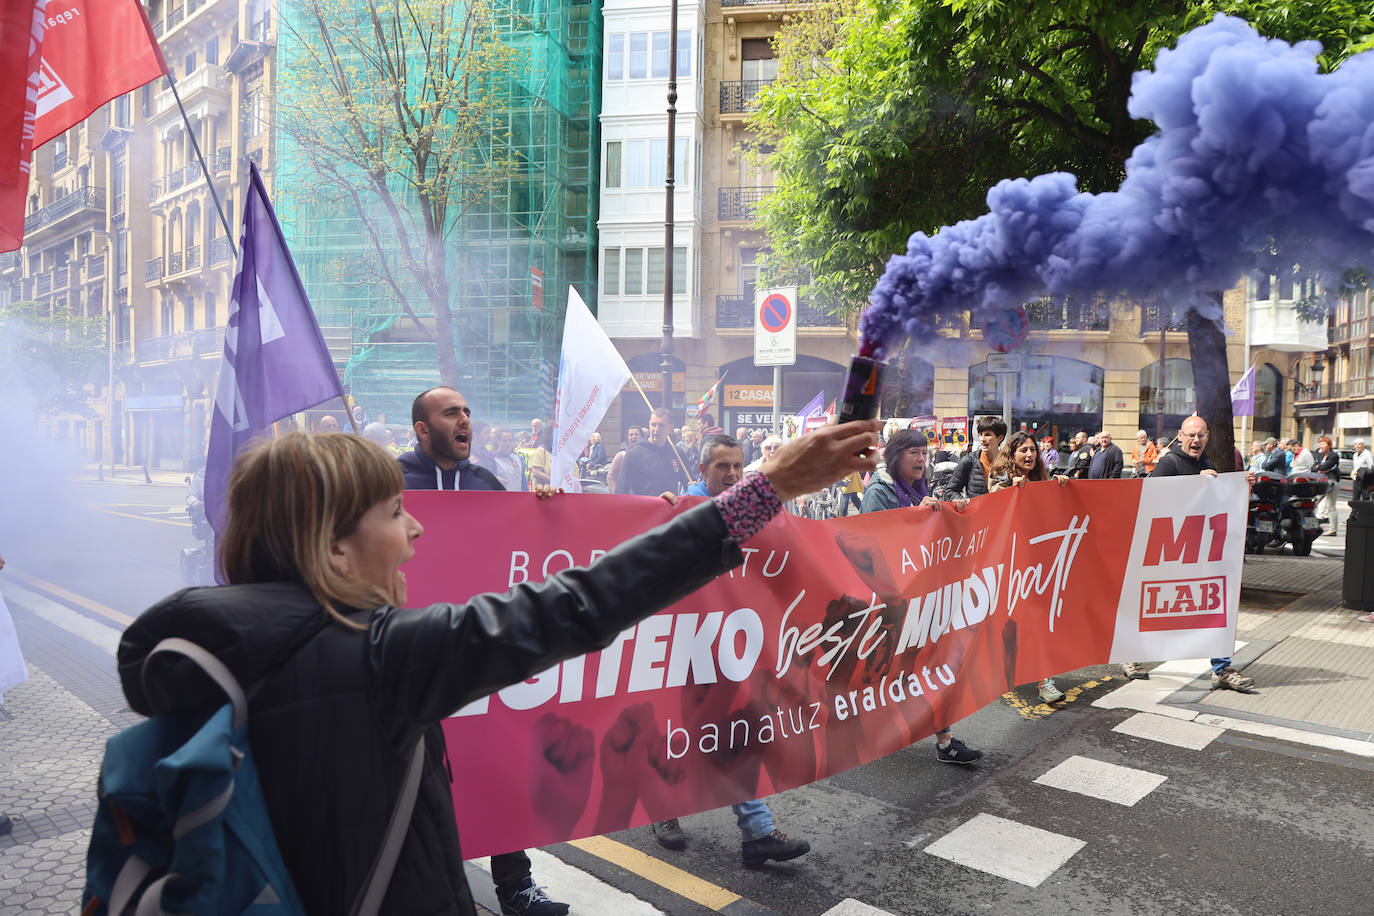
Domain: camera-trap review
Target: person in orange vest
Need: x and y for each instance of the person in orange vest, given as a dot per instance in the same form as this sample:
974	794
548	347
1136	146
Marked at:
1144	455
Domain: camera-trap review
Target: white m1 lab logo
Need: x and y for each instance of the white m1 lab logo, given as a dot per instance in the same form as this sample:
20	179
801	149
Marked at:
1191	603
51	90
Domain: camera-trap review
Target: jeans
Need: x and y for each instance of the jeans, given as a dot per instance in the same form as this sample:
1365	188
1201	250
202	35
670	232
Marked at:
754	819
1220	664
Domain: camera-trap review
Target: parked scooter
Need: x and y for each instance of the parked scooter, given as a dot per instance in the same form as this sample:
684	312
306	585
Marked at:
1261	527
1297	522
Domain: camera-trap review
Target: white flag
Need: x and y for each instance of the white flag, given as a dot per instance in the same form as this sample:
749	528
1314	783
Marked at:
590	376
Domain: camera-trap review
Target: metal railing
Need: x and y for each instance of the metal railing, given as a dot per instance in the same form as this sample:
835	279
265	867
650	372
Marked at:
152	270
739	203
175	179
95	266
224	159
1338	333
59	160
1153	317
208	340
739	95
61	276
219	251
174	263
86	198
1094	315
175	17
735	312
150	348
154	189
193	257
1321	391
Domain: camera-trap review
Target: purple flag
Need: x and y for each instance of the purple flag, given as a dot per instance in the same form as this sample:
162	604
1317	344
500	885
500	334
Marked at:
1243	395
814	406
275	359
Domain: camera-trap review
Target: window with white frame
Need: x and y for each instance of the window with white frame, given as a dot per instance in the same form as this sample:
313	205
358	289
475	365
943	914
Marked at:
610	272
644	163
644	55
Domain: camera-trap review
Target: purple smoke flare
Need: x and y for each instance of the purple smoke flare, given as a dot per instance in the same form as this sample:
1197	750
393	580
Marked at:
1259	163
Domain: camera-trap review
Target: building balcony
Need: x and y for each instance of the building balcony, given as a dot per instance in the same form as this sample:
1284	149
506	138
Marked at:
1070	316
1338	334
193	257
737	96
224	160
151	349
95	266
1154	318
11	261
152	270
61	277
86	201
208	341
1275	324
220	252
737	313
1359	387
739	204
175	263
746	10
42	284
208	81
253	46
1322	391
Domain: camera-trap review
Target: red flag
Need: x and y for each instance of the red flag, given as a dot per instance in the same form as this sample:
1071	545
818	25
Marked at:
94	50
21	27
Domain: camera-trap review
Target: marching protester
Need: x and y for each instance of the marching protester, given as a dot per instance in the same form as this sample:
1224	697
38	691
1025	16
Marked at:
970	477
313	548
1328	463
1188	457
908	486
653	466
1107	460
443	426
722	466
1144	454
1017	463
632	437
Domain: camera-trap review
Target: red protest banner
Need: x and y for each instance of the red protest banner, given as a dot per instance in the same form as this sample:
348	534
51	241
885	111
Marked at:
21	33
836	642
93	51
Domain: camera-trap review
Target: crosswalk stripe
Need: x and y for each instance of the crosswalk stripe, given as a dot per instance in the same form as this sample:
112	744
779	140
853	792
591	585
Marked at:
1007	849
852	907
1099	779
1166	730
100	635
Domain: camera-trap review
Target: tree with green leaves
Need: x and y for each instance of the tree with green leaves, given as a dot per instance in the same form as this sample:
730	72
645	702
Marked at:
394	109
899	115
51	353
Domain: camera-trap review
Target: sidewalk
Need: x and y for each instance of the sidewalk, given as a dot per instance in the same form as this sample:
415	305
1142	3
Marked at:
1311	659
134	475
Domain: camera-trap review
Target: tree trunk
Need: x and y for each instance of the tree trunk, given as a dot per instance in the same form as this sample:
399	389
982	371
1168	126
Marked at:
443	333
1212	384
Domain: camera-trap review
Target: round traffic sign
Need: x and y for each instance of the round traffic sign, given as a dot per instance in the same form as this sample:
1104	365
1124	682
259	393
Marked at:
775	312
1006	329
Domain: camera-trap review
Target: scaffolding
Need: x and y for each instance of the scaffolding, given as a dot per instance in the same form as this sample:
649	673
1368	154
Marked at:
511	257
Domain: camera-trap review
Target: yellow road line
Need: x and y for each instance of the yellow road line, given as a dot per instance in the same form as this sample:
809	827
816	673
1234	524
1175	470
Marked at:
1040	710
682	883
72	597
146	518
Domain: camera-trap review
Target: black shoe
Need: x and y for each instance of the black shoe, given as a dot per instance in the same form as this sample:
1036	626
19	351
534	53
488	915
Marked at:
6	825
776	846
669	834
531	900
957	752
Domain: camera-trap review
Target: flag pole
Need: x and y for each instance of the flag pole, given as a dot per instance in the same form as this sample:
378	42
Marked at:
200	157
671	443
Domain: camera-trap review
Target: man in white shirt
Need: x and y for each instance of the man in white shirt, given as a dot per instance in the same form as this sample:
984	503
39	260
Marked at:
1302	458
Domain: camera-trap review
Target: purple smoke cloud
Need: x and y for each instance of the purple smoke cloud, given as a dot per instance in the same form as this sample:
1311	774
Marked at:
1259	163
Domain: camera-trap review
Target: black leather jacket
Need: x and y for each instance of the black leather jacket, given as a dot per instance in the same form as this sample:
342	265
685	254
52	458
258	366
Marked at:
338	710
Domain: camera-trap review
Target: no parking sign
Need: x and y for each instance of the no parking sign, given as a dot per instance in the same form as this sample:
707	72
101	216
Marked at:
775	326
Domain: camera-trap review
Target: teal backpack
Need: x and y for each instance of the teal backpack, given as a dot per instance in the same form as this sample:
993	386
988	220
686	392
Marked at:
182	826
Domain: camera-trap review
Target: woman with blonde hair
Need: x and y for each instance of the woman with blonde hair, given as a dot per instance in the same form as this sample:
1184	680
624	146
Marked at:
345	682
1017	464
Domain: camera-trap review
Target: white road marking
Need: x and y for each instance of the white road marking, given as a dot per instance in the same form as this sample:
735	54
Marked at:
1178	732
997	846
852	907
1099	779
583	892
79	625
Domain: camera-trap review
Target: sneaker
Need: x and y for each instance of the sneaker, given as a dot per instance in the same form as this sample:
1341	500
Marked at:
1367	618
531	901
776	846
1230	679
957	752
1050	693
669	834
1135	671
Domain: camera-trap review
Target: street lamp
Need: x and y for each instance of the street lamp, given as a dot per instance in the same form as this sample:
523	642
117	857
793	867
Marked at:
1312	390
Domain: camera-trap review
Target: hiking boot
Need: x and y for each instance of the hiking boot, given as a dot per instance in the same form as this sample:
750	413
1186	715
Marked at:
531	900
1230	679
1135	671
669	834
957	752
776	846
1049	693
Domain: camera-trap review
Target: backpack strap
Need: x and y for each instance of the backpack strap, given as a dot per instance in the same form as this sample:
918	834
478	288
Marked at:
369	900
213	668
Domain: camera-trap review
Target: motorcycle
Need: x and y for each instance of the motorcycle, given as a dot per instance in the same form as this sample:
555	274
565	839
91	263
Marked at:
198	562
1297	513
1262	522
